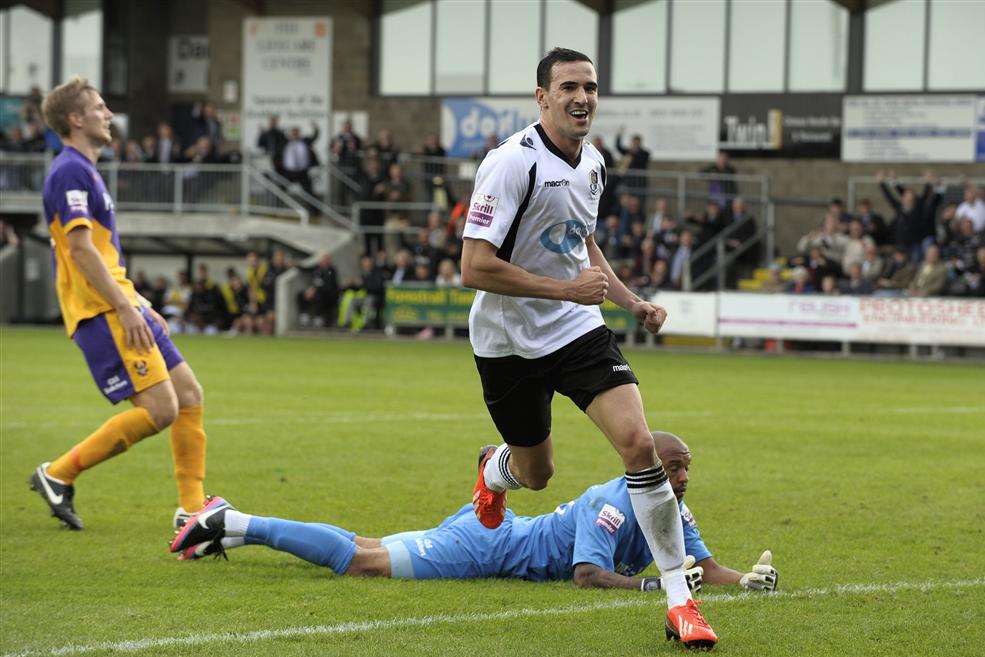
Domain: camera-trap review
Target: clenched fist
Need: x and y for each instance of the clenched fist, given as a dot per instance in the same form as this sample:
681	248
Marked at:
590	288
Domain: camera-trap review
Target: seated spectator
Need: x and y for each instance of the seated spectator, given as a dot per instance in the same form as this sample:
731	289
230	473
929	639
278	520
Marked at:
643	260
352	307
491	143
633	240
828	239
800	282
236	298
872	264
659	278
775	283
148	148
436	231
856	283
931	277
820	266
829	286
631	212
448	275
855	245
133	153
970	282
140	283
666	236
872	223
607	237
422	250
973	207
897	275
208	125
204	310
374	282
422	273
200	152
709	224
158	294
403	270
176	303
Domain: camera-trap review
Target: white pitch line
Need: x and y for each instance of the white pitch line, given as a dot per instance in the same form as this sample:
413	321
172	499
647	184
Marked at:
257	636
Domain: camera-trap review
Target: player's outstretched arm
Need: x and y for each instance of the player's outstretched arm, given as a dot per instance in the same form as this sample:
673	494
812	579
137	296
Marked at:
85	256
589	575
761	577
652	315
482	269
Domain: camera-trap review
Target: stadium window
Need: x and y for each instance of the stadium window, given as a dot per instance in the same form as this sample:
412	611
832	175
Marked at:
405	47
27	44
82	40
514	47
460	47
639	32
956	57
757	32
894	43
818	46
570	24
697	33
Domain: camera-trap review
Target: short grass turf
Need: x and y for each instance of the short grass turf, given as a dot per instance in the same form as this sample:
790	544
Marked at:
852	472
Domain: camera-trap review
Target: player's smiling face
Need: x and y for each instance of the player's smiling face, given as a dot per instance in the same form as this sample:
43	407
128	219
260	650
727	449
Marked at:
569	104
96	120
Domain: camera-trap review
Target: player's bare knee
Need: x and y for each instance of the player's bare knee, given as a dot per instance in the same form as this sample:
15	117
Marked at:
191	394
536	478
164	412
638	451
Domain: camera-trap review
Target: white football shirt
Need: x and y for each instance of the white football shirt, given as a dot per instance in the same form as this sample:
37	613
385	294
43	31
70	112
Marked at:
537	209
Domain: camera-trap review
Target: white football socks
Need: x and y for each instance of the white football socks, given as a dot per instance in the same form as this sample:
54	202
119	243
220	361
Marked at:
236	523
659	518
497	471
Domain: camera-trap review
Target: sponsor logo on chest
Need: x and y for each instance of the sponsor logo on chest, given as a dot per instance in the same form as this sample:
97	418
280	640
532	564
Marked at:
564	182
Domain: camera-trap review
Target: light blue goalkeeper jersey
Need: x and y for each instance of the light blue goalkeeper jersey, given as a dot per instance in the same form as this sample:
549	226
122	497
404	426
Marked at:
597	528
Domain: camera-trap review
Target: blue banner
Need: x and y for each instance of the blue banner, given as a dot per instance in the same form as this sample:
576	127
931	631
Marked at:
466	123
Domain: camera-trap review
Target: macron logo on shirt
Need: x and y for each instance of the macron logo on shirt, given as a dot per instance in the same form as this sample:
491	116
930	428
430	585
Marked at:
78	200
482	209
610	519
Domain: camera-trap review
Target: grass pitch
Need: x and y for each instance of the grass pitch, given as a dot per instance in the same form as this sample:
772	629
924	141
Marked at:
853	473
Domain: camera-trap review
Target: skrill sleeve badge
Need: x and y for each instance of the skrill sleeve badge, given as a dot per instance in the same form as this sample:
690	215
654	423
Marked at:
482	209
610	519
77	199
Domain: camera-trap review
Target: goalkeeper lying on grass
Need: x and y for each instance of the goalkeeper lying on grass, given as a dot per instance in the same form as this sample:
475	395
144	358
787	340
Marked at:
593	540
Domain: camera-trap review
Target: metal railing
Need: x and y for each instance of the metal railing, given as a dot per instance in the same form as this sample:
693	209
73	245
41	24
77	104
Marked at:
150	187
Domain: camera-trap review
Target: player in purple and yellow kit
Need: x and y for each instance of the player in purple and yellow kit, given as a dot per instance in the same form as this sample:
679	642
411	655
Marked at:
125	343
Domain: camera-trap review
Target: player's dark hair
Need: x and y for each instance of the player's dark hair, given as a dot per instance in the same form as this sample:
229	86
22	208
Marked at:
554	56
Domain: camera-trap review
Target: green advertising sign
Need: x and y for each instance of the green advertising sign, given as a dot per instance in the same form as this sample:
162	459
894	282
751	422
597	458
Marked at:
449	306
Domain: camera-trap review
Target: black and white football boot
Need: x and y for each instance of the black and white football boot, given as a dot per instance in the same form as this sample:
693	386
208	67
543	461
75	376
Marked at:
57	495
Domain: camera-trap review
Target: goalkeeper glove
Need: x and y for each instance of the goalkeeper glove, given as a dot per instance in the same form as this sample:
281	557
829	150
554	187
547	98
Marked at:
692	575
763	576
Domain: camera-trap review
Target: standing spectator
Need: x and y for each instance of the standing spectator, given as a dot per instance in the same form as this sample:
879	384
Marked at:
711	223
680	264
837	207
972	207
608	198
268	311
300	157
656	219
491	143
634	158
394	189
909	225
272	142
746	227
632	213
607	237
386	149
133	153
167	150
721	187
208	125
829	239
148	147
319	302
346	147
432	168
931	276
374	283
872	222
819	266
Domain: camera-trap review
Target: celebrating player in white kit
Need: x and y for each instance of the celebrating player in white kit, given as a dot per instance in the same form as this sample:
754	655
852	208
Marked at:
536	326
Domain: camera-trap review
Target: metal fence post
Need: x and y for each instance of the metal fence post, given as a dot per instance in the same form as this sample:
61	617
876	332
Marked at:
179	190
770	220
720	264
114	174
244	189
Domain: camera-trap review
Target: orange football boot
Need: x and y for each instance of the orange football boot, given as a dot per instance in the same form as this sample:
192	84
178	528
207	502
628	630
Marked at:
686	624
489	506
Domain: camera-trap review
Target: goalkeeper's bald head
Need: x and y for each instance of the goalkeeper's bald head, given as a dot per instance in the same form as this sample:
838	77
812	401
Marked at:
676	459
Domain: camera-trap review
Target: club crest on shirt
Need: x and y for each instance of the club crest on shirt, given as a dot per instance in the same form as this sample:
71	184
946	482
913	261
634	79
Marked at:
610	519
482	208
593	182
141	367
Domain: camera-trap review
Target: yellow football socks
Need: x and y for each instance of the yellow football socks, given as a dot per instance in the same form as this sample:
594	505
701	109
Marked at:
117	434
188	450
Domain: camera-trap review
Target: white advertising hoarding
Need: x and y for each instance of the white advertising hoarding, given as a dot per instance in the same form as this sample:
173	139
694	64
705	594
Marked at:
188	64
672	128
926	128
930	321
287	71
688	313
